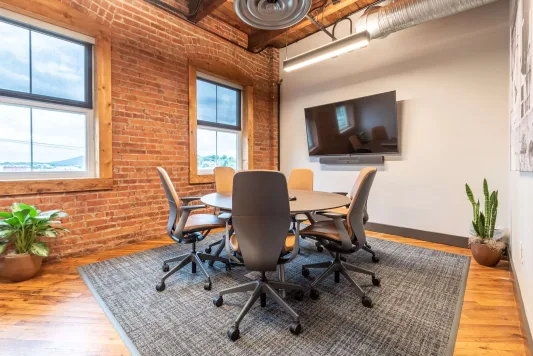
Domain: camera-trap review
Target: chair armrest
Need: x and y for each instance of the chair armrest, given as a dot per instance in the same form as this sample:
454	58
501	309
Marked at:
225	216
331	214
346	241
192	207
341	193
187	200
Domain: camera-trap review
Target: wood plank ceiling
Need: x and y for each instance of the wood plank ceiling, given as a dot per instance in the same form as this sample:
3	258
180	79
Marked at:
324	11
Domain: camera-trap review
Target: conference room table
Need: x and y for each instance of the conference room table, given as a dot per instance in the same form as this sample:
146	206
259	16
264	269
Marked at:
306	202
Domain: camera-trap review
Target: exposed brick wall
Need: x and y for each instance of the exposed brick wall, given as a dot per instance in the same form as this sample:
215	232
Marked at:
150	50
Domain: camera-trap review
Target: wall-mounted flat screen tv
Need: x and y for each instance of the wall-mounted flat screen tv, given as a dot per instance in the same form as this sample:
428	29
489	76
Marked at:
361	126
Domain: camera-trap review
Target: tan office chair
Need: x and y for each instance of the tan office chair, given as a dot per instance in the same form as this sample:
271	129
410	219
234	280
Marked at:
344	236
223	184
261	217
224	179
301	179
344	211
187	229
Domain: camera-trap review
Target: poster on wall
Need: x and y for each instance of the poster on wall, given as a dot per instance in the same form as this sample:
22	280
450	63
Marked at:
521	122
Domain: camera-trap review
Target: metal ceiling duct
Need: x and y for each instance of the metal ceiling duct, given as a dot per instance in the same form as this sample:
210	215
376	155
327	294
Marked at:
272	14
380	21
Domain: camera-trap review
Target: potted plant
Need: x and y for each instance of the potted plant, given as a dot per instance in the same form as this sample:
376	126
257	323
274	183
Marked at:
485	240
23	228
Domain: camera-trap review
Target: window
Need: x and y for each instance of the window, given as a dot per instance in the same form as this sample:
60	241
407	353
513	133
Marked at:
218	125
46	102
221	129
342	117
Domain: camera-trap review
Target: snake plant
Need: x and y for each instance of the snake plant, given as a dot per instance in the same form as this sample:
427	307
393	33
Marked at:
484	222
24	225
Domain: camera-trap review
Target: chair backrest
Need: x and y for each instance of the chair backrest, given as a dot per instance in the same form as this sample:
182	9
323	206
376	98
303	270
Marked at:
224	179
301	179
261	217
172	198
359	196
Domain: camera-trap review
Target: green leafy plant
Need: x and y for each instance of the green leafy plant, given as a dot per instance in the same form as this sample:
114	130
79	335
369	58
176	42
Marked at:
484	222
24	227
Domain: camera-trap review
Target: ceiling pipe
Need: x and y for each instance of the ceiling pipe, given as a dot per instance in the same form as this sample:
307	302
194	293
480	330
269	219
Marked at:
380	21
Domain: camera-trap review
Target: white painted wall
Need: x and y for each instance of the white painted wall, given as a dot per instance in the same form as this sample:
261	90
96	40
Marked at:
521	206
452	80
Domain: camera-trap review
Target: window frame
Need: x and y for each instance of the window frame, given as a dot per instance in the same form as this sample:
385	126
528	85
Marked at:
203	171
238	127
88	67
90	154
221	75
54	13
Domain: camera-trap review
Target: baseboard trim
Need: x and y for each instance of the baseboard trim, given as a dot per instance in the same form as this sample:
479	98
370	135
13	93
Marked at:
445	239
523	317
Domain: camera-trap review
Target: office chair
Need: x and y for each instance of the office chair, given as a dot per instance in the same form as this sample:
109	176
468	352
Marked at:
223	183
301	179
344	211
187	229
261	217
343	236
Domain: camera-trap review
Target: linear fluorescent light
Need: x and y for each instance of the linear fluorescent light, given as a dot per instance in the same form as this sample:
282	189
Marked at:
333	49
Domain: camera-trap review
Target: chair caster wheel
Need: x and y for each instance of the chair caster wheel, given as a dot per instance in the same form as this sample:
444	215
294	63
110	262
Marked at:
160	287
376	281
296	328
375	259
208	250
305	272
166	267
367	302
207	286
299	295
233	333
218	301
319	247
228	267
314	294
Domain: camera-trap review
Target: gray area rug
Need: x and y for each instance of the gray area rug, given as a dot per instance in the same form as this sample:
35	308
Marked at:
416	308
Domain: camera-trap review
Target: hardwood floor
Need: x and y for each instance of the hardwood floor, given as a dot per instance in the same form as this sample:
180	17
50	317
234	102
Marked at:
56	314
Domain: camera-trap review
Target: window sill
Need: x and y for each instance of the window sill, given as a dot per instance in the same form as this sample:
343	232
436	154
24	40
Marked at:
202	179
27	187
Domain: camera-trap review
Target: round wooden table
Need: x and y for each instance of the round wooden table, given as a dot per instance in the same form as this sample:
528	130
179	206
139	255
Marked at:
306	201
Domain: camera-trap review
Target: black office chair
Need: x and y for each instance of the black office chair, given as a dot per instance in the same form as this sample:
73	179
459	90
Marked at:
187	229
344	234
261	217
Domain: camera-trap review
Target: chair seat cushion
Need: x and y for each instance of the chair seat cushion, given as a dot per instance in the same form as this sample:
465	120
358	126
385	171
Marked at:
326	229
200	222
342	210
289	243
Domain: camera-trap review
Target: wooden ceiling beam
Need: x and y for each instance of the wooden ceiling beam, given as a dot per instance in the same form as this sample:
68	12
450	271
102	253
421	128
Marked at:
206	8
263	38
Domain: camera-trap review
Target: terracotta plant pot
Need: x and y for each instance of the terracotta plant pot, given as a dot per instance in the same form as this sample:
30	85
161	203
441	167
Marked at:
18	268
485	256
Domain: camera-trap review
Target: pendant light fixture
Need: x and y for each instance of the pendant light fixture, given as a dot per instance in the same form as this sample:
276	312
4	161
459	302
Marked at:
272	14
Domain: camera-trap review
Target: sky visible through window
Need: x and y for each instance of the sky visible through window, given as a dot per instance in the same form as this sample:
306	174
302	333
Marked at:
58	140
35	139
57	65
218	105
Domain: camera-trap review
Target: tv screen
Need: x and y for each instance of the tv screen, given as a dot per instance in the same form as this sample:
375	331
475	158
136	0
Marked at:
362	126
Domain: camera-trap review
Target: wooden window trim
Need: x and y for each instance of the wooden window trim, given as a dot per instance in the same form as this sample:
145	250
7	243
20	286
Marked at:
247	133
62	15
